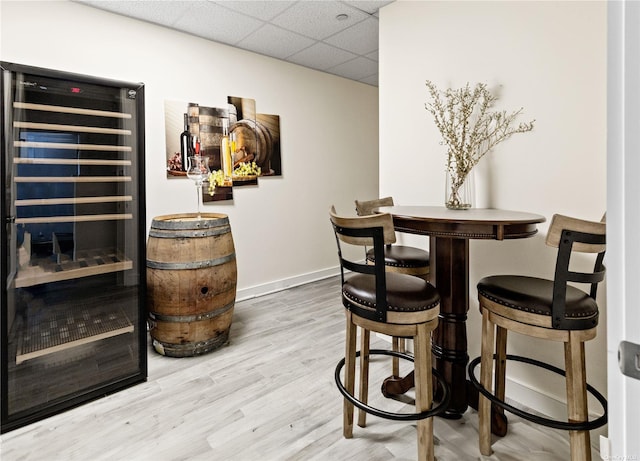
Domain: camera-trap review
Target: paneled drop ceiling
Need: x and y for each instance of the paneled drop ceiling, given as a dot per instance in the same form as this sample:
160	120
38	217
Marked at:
337	37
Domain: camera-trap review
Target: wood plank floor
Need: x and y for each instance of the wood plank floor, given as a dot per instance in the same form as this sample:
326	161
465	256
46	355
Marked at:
268	395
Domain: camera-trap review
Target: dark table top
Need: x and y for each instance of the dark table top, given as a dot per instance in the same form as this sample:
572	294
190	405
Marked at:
475	223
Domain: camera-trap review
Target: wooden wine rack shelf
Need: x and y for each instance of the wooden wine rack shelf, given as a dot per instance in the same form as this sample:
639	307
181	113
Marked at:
78	179
59	331
73	200
80	218
63	145
45	270
69	161
69	110
71	128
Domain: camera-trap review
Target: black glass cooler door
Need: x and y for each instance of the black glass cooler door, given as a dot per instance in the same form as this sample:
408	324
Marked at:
73	243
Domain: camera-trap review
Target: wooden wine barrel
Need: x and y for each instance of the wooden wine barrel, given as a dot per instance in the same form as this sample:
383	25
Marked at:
191	283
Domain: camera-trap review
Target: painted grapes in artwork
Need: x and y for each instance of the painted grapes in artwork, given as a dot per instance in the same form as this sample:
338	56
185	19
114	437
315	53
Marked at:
241	145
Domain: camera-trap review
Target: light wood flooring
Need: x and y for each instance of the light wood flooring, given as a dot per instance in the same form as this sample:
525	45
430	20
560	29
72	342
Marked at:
268	395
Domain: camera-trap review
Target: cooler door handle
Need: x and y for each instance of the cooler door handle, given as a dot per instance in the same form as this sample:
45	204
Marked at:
629	359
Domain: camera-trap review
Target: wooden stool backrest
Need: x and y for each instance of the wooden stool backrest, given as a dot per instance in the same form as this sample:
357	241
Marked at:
571	235
561	222
383	220
366	207
374	231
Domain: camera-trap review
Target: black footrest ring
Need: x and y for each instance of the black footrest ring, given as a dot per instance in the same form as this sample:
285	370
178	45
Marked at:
556	424
439	408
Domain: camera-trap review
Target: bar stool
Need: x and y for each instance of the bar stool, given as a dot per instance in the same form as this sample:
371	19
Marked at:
397	258
389	303
547	309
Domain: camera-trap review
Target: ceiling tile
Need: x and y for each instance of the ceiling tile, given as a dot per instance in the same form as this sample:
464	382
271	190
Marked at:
321	56
214	22
164	13
355	69
371	80
317	19
274	41
361	38
262	10
370	7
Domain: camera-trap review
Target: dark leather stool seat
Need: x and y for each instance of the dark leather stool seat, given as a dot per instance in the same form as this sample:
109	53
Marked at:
400	256
535	295
404	294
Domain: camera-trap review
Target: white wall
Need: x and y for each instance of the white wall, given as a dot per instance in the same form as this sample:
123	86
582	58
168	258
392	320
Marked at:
548	57
328	124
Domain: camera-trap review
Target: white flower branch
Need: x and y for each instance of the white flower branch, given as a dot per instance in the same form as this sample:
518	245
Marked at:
468	127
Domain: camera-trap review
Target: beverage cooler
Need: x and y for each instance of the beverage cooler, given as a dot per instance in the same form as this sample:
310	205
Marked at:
73	242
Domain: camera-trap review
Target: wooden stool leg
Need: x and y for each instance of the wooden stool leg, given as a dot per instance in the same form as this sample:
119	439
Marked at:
365	336
577	397
398	346
424	391
349	375
486	369
501	368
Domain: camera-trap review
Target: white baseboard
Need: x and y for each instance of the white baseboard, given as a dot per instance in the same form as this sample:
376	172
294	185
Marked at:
542	403
283	284
521	395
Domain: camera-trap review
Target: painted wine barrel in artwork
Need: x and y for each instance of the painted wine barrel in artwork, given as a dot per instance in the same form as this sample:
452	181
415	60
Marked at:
254	138
191	283
205	123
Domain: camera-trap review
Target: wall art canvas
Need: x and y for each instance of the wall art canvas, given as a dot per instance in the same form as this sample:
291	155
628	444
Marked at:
241	144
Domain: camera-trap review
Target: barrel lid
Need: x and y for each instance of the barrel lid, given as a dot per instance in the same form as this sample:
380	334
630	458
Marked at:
190	221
